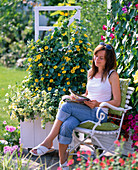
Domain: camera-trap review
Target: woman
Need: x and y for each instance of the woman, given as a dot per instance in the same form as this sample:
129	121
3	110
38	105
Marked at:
103	83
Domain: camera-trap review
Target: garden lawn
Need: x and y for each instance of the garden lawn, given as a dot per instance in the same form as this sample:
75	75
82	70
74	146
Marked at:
8	76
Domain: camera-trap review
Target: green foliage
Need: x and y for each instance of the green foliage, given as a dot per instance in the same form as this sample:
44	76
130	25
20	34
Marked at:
16	28
122	34
60	60
93	14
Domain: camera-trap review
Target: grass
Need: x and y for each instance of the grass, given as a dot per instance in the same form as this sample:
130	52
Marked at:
8	76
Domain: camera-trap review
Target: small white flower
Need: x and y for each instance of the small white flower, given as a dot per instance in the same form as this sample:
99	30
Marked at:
9	86
50	108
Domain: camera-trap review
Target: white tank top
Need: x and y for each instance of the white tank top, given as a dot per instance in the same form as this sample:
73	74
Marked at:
100	91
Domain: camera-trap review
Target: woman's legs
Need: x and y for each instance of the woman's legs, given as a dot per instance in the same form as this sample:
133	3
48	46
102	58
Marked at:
48	141
63	155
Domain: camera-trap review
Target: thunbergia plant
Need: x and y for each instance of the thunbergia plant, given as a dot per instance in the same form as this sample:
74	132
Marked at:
56	64
121	32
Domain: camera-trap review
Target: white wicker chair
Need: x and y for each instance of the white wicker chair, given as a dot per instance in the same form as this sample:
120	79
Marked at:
104	139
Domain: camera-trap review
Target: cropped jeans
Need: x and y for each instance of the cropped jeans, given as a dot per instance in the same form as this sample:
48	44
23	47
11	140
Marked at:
72	114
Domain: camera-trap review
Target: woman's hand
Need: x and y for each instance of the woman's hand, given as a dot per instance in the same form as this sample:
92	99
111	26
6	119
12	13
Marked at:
71	97
92	103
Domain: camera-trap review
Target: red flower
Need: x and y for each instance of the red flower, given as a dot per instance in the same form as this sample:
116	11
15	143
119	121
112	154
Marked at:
110	168
78	159
87	163
134	161
102	164
113	29
108	162
130	117
59	168
117	22
136	17
112	36
134	155
104	27
111	160
102	37
103	158
129	155
123	140
78	154
117	143
121	161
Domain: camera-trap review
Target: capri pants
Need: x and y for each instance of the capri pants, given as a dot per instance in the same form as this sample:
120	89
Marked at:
72	114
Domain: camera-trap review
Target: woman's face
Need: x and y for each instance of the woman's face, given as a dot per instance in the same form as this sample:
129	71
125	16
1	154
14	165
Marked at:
99	59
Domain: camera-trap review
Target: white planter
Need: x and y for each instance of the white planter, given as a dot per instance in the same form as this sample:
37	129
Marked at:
32	134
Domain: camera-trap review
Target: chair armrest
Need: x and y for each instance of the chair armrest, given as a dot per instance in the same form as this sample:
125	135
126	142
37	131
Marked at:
111	106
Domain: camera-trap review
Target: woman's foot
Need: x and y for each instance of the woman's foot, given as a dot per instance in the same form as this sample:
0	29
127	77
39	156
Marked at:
48	145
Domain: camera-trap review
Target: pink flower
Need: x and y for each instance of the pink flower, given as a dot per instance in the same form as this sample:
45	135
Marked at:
59	168
117	143
136	127
124	9
102	37
136	117
70	162
87	163
136	6
83	152
112	36
7	149
78	154
104	27
88	152
78	159
10	128
96	160
113	29
103	158
135	137
4	122
130	117
136	17
78	169
136	144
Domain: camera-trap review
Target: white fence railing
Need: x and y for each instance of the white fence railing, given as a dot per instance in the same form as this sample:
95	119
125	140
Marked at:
53	8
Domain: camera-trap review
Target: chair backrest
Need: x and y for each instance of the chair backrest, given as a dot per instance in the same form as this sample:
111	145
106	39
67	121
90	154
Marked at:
125	96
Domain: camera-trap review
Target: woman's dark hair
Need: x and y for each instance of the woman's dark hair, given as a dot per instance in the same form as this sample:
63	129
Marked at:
110	58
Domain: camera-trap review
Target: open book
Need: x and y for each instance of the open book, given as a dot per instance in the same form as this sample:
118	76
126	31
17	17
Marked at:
78	98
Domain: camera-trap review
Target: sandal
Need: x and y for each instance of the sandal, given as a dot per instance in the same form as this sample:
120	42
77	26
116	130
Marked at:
41	150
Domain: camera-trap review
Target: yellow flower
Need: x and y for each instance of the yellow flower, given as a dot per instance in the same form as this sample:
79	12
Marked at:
49	88
136	77
63	71
47	74
78	66
80	41
29	59
76	32
59	74
36	59
82	70
68	4
83	84
39	65
51	80
42	50
42	78
66	14
64	89
55	67
72	71
50	29
36	80
67	78
89	49
62	68
78	49
36	89
46	47
77	46
64	34
85	35
88	44
73	39
37	40
61	13
69	51
51	36
33	47
67	59
68	83
84	47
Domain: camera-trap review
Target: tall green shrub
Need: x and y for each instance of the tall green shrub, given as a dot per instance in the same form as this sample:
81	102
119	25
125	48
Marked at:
16	28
